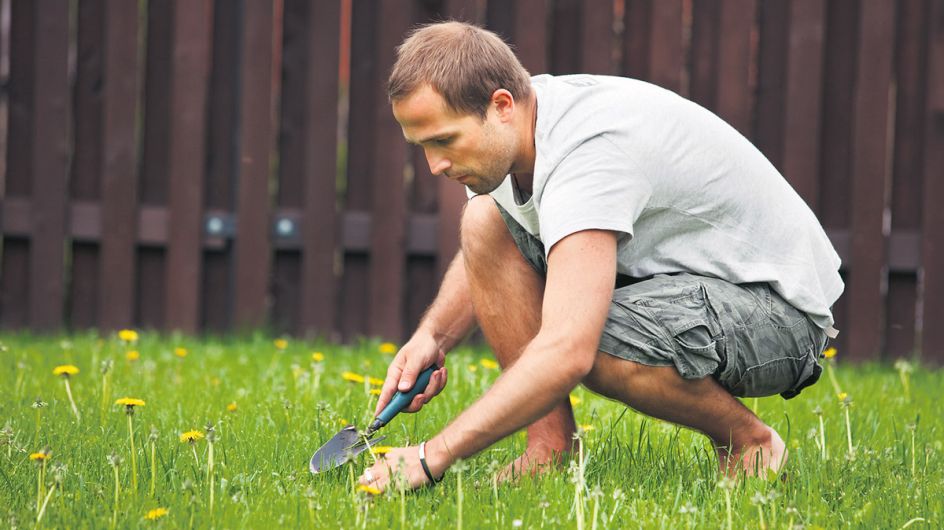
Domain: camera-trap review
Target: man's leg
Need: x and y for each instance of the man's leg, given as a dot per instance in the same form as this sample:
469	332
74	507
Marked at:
741	439
507	294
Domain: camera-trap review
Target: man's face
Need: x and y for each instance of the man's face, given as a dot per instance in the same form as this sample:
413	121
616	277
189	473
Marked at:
462	147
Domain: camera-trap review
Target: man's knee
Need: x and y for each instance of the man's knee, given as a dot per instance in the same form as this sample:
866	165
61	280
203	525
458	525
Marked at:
482	225
610	375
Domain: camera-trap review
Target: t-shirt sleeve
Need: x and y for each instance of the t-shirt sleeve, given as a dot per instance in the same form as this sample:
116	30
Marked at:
595	187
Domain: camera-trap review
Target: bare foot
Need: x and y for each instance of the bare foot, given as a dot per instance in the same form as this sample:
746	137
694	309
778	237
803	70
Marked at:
535	461
764	454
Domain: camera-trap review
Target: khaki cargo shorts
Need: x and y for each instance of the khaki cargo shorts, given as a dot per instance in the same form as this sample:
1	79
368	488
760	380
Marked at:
746	336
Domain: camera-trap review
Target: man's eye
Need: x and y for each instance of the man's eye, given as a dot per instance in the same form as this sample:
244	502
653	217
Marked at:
444	141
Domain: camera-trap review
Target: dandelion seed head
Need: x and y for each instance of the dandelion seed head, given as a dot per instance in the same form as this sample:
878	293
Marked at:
39	403
516	523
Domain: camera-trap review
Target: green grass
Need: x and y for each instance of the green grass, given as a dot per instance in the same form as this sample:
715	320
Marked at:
638	472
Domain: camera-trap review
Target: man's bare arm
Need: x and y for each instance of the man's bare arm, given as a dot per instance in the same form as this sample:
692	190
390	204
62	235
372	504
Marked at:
447	321
581	273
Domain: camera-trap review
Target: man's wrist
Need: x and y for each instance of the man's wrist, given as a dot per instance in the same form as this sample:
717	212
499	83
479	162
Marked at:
438	456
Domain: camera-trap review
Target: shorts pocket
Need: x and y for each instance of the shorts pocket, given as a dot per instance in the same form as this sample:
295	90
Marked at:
783	375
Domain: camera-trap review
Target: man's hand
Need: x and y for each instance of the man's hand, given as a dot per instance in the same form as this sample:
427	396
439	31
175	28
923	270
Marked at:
419	353
402	460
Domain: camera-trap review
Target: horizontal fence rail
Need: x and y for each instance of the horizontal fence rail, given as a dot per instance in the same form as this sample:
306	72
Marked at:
212	165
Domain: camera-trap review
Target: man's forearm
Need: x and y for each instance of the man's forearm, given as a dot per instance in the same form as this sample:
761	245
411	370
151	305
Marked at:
450	317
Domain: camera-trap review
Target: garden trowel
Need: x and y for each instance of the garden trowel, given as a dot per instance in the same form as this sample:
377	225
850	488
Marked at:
349	443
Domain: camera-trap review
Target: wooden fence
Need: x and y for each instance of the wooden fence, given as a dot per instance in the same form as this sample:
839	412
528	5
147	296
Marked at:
230	164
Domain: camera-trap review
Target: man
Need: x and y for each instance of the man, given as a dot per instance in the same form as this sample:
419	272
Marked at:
617	236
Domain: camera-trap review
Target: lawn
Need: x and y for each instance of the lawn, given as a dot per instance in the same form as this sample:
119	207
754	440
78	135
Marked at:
267	405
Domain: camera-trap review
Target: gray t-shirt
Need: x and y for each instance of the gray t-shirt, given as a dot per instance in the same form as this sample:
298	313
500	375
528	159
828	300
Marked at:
685	191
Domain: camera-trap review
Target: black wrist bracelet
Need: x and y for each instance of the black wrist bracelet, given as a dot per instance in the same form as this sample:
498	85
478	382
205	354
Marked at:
426	470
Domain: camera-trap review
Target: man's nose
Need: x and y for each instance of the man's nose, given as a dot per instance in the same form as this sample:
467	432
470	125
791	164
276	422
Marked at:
437	165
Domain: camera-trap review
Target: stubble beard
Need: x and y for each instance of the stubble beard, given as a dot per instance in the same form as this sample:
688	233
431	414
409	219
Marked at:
499	156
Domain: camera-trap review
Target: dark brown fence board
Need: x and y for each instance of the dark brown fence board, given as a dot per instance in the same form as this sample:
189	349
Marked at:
14	284
803	98
565	37
353	292
734	95
49	151
932	266
318	281
666	52
119	179
773	44
869	177
388	201
188	93
911	77
85	177
637	38
596	37
704	52
252	255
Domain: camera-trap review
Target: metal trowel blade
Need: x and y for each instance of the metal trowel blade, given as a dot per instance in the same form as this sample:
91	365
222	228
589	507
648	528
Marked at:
342	447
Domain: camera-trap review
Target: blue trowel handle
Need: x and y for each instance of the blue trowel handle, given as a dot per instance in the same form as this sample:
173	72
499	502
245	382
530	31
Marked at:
401	400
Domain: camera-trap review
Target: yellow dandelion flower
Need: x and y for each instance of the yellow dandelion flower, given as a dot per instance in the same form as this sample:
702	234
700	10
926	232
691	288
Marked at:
128	335
375	391
180	352
473	368
65	369
587	427
574	400
130	402
39	457
374	381
829	353
370	490
343	422
388	348
280	344
231	407
191	436
381	449
488	363
842	396
352	377
132	355
155	514
317	356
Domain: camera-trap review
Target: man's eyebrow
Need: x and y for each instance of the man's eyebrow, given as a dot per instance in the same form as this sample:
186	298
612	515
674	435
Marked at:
439	136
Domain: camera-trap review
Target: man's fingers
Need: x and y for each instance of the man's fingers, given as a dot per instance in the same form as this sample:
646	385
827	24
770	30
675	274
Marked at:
411	371
389	387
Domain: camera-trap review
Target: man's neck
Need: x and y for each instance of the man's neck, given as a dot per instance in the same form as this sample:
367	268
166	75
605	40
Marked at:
523	168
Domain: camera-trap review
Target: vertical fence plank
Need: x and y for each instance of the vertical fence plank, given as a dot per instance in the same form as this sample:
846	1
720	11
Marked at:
252	249
530	34
596	37
932	248
85	181
666	53
773	43
49	151
869	178
319	282
14	261
188	92
704	52
637	38
836	150
803	97
361	133
119	179
565	37
734	97
217	282
150	295
388	202
911	76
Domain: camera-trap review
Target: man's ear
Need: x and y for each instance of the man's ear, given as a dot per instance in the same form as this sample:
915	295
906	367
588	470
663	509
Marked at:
504	104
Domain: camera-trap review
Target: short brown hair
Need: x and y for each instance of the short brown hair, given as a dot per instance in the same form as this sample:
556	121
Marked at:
462	62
